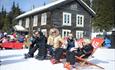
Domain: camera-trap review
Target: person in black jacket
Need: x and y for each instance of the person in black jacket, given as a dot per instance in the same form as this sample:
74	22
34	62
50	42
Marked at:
39	43
85	52
33	46
70	55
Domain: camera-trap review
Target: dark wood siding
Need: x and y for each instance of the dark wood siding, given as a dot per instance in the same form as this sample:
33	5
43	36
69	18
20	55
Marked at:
74	8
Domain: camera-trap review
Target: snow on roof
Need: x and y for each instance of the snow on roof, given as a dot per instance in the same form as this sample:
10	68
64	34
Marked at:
48	6
40	8
87	6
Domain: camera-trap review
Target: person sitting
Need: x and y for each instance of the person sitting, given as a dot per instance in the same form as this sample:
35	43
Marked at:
41	42
57	46
50	41
21	39
83	51
86	50
38	42
32	47
70	55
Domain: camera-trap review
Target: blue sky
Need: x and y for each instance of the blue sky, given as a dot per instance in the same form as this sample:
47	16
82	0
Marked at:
25	5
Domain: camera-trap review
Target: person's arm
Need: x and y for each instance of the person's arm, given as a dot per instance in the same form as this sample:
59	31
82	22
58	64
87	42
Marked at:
48	40
75	46
62	42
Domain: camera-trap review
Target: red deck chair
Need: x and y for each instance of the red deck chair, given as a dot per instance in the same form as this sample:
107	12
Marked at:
18	45
96	43
7	45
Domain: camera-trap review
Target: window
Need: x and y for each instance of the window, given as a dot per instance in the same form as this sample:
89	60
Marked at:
79	34
80	21
65	32
44	19
20	22
44	31
27	23
67	19
35	21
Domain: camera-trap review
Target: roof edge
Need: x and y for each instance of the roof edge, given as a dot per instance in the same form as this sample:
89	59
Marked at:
53	4
93	12
39	9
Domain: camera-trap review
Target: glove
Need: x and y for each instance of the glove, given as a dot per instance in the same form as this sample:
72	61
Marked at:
72	49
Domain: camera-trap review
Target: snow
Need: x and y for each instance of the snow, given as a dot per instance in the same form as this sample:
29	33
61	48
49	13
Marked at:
40	8
14	60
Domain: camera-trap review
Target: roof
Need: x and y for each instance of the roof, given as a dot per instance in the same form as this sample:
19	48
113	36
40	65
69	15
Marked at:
54	4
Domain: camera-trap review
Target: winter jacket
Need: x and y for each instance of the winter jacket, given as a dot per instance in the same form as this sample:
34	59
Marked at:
71	44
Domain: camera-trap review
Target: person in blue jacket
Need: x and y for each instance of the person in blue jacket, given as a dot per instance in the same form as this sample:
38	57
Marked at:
107	42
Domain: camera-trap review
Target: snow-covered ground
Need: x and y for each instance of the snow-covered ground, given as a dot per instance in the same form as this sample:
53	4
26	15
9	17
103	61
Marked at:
14	60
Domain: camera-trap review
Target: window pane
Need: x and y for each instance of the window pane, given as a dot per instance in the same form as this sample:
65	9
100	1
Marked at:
20	22
67	33
27	23
64	33
43	19
80	20
65	18
68	19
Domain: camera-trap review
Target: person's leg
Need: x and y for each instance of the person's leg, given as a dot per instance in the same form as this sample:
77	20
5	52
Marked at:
51	51
70	60
42	53
70	57
58	53
67	56
31	46
31	52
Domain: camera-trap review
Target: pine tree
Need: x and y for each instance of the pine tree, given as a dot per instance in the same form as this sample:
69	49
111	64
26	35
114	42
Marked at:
1	18
4	23
7	19
104	15
3	14
15	11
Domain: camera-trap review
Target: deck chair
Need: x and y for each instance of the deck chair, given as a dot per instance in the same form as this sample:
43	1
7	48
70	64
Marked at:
96	43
